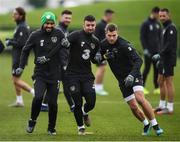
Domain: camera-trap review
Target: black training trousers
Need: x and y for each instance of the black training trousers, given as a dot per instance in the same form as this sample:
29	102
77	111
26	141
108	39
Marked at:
51	90
79	88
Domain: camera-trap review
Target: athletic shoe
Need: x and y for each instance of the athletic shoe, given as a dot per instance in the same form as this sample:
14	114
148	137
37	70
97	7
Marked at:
31	125
72	108
44	107
158	130
87	120
16	104
81	131
146	130
146	92
52	132
164	111
156	91
157	109
102	93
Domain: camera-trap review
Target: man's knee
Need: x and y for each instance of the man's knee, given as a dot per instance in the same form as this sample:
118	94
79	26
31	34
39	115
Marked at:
52	102
15	80
161	80
90	99
77	99
139	95
52	105
133	105
38	97
169	81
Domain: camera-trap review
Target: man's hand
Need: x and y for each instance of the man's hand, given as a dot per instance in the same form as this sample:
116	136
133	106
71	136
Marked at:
42	60
65	43
156	57
19	71
8	42
129	80
98	57
109	55
147	53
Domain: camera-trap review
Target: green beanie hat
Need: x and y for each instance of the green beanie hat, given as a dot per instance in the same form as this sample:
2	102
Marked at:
48	16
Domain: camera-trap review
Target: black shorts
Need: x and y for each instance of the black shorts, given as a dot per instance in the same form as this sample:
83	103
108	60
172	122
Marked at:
166	70
79	85
128	92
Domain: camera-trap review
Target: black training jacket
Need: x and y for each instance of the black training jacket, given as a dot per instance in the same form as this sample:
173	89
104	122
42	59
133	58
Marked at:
126	60
42	43
83	48
169	44
150	35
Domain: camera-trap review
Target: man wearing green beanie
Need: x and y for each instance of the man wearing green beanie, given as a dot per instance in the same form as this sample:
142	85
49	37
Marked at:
48	16
46	76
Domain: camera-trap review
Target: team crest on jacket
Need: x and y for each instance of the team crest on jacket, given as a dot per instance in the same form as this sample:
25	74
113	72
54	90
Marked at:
92	45
54	39
129	48
150	27
157	26
72	88
82	43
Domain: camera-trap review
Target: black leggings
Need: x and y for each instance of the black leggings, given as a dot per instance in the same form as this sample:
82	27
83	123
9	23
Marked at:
147	65
51	89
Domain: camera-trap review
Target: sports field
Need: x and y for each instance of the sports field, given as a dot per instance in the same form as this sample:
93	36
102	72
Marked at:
111	119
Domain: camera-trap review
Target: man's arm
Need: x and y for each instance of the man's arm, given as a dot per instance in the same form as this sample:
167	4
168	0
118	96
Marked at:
64	56
26	50
133	55
65	43
143	36
20	38
171	39
95	55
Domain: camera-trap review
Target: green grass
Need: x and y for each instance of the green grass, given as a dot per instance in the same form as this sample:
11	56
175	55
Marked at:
111	118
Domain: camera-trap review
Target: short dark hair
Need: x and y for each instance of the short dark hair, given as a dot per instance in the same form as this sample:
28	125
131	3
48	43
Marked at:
89	18
21	12
155	9
66	12
108	11
111	27
165	10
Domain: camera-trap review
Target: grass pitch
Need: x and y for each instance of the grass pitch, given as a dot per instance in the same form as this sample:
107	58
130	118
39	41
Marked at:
111	118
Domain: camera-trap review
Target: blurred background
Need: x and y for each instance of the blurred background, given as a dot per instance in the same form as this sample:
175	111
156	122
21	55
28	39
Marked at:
129	14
